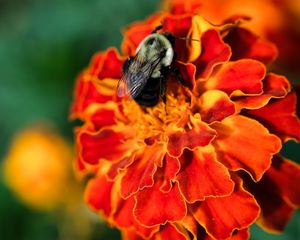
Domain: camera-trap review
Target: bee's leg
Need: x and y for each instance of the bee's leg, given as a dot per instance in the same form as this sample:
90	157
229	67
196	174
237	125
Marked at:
157	29
162	91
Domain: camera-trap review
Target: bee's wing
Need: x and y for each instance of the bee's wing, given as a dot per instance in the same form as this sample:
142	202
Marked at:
136	76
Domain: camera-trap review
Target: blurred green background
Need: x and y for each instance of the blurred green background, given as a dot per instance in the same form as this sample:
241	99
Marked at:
43	46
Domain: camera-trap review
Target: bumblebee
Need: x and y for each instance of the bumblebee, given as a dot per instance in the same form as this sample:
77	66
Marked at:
144	75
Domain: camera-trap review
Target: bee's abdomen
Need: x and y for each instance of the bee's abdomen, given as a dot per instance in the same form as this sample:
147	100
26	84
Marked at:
150	94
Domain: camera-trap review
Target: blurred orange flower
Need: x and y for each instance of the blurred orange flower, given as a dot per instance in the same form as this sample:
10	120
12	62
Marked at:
204	165
276	20
38	168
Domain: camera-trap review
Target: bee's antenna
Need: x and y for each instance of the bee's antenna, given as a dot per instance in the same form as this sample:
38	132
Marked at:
189	39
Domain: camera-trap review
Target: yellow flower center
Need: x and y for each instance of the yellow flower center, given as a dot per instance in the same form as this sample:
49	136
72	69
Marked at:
151	123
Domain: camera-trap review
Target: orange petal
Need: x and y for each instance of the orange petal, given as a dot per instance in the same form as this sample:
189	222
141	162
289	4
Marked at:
106	64
214	52
202	176
244	44
140	173
82	168
171	167
169	232
154	207
199	26
239	78
284	177
124	218
275	86
187	71
200	134
280	118
240	235
79	165
85	94
130	234
103	114
222	215
200	233
103	117
243	143
281	180
106	144
215	105
275	212
117	167
192	226
236	235
287	40
98	195
179	7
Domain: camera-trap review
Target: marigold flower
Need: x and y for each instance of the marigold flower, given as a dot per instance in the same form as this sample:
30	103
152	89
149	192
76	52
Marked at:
204	165
38	169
